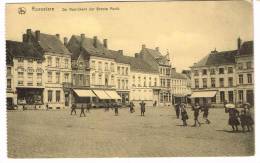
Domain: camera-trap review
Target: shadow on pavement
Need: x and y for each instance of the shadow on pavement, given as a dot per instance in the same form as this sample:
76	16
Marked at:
230	131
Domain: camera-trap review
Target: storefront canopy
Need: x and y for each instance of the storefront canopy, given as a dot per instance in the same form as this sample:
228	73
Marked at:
203	94
101	94
113	94
84	93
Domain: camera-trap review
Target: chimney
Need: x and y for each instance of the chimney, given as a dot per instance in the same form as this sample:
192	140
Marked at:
120	52
105	43
95	41
238	43
214	51
65	41
25	38
58	36
28	31
157	49
143	46
37	35
136	55
82	36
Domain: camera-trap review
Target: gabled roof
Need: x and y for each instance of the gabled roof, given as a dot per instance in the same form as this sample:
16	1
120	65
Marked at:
120	58
50	43
176	75
21	49
247	48
158	57
217	58
138	64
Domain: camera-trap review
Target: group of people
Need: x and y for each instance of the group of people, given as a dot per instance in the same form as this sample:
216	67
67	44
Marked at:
236	118
180	109
82	109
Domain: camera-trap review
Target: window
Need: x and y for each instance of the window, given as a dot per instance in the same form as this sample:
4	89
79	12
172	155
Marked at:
49	77
168	83
66	63
212	71
57	96
20	82
39	61
241	95
133	84
123	84
126	70
112	79
106	80
221	70
118	70
87	80
9	72
66	78
20	75
39	79
126	83
57	77
213	82
20	60
248	65
249	78
221	82
30	79
99	79
240	79
49	60
230	70
93	65
196	73
196	83
30	62
57	62
230	96
139	81
9	83
230	82
204	72
118	84
81	64
150	81
240	66
144	81
49	96
160	70
100	66
106	66
112	67
222	96
93	78
80	79
204	81
155	82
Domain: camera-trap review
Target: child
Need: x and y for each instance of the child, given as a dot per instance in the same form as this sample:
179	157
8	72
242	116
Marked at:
184	116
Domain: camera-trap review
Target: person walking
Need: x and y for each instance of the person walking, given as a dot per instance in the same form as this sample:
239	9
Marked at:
89	105
206	113
177	109
73	109
248	118
82	109
131	107
142	105
184	115
116	109
196	110
233	116
242	118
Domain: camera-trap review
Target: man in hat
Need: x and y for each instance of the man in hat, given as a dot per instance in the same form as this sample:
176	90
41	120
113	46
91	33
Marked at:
177	109
73	109
82	111
196	110
142	105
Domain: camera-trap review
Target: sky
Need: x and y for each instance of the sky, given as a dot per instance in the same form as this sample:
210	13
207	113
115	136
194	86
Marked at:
188	30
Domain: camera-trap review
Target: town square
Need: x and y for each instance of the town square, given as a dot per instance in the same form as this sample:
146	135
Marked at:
125	83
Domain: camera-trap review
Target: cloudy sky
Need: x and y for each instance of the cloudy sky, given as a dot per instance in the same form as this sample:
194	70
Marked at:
188	30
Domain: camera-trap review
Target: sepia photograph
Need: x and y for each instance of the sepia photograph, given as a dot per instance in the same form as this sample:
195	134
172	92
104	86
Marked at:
130	79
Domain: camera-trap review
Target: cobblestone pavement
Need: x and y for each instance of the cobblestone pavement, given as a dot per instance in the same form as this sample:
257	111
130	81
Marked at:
101	134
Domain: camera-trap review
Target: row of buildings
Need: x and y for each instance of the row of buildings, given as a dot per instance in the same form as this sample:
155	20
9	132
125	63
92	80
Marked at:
43	69
225	76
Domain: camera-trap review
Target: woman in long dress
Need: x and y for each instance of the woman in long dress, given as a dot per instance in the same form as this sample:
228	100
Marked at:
233	117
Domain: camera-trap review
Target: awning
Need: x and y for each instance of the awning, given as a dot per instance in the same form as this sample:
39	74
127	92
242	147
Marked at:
113	94
84	93
203	94
101	94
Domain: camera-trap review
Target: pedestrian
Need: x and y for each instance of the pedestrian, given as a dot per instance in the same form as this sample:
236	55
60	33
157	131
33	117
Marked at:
248	118
73	109
132	107
106	106
82	111
155	103
116	109
184	115
142	105
47	107
196	110
233	116
89	105
242	118
206	113
177	110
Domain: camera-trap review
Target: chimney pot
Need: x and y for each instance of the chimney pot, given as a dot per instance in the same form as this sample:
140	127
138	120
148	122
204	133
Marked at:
65	41
37	35
143	46
238	43
95	41
58	36
82	35
105	43
28	31
25	38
